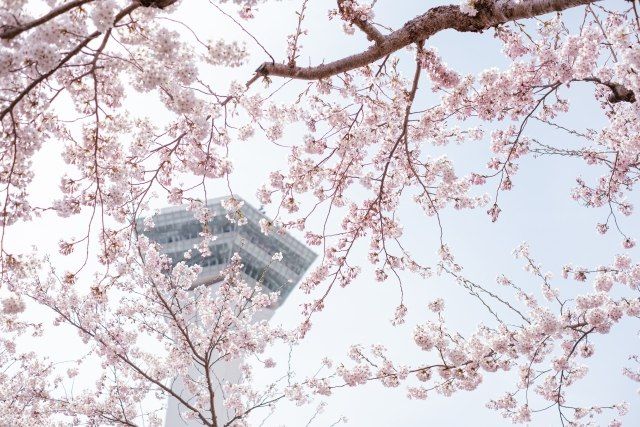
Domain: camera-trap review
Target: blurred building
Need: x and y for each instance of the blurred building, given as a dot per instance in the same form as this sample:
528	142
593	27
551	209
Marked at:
177	231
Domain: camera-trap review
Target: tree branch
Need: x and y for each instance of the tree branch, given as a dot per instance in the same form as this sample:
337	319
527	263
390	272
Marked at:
10	31
423	27
372	32
124	12
619	93
160	4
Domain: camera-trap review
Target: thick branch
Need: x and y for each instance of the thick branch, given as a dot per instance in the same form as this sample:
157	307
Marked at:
10	31
421	28
365	26
619	93
160	4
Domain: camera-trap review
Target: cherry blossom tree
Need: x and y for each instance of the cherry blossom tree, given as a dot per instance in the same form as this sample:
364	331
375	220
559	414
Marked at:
69	74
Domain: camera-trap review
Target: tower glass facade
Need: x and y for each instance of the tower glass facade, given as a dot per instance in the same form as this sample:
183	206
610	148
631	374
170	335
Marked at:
177	231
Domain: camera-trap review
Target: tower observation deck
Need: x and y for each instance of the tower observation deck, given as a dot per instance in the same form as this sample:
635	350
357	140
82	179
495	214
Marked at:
177	231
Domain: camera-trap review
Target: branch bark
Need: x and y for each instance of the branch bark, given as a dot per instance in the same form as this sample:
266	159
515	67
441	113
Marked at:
10	31
365	26
619	93
160	4
437	19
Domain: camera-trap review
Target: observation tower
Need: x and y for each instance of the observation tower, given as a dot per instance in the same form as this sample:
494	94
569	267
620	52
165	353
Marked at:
177	231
